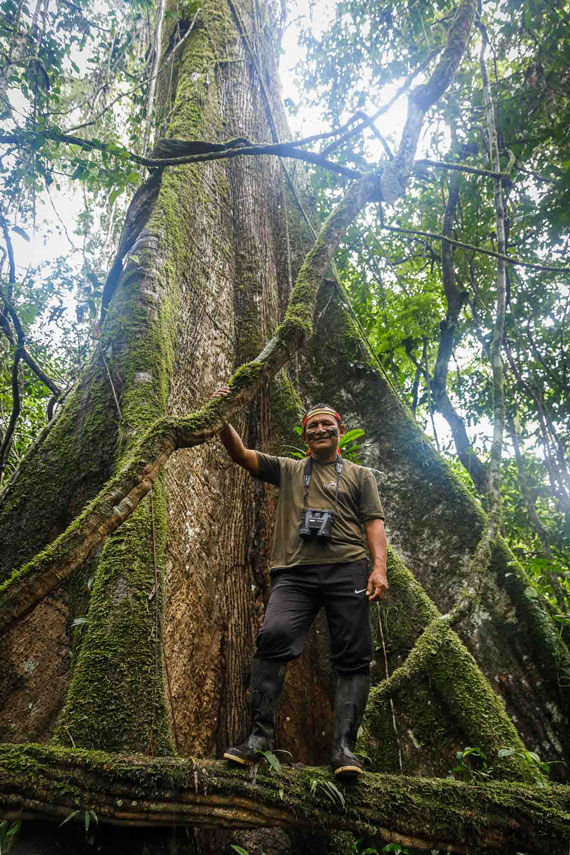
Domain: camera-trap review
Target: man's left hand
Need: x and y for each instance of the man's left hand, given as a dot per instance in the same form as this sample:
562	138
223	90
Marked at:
377	584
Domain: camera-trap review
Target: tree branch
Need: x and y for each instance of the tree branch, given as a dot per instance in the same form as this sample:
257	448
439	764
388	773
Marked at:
459	167
455	298
418	812
26	355
472	248
121	495
494	465
10	251
16	407
557	470
10	310
385	107
285	149
199	151
424	96
19	344
191	151
440	657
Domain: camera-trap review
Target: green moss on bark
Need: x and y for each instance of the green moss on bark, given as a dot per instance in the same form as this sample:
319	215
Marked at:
116	697
491	816
548	648
286	409
477	711
59	476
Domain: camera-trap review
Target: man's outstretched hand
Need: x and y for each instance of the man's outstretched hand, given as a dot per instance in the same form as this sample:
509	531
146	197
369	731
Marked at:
221	392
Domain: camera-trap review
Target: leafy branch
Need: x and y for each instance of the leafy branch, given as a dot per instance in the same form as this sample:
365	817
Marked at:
476	249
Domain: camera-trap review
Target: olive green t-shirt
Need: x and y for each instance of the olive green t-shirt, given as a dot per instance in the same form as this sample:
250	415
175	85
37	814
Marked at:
358	502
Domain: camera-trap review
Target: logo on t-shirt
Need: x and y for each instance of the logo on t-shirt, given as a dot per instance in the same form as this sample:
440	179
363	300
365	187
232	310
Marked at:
330	486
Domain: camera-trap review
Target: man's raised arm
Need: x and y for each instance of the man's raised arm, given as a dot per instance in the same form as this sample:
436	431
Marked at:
233	443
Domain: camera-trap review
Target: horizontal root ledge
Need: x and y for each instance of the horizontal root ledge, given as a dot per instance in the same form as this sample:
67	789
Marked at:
39	782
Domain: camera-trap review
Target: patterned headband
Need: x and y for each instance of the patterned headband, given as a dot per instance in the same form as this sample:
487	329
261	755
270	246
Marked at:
321	411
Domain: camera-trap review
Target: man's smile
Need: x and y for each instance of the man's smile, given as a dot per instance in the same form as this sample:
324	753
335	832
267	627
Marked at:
322	434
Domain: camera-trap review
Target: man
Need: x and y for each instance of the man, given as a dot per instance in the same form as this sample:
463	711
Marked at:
318	560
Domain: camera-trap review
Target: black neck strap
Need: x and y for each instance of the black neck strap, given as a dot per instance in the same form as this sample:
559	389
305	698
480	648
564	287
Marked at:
308	471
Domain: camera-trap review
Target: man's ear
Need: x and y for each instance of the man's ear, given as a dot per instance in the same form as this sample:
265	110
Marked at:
304	437
342	430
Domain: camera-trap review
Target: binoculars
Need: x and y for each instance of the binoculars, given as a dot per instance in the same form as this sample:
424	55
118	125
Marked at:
316	524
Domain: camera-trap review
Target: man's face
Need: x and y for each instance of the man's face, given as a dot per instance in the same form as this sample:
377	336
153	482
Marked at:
322	433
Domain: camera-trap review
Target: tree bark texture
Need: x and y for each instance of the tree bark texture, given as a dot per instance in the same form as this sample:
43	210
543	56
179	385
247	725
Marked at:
170	603
213	259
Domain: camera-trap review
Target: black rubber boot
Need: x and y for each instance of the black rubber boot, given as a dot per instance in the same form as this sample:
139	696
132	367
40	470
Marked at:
265	688
350	702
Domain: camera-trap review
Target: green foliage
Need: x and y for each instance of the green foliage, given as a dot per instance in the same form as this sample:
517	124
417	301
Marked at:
359	847
366	47
529	755
273	761
88	819
275	765
239	849
329	789
549	574
8	834
349	446
473	764
69	68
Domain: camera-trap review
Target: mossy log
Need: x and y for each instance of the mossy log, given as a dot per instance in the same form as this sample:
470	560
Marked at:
37	782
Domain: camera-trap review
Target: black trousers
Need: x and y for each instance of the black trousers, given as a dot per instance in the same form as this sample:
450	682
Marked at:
296	596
